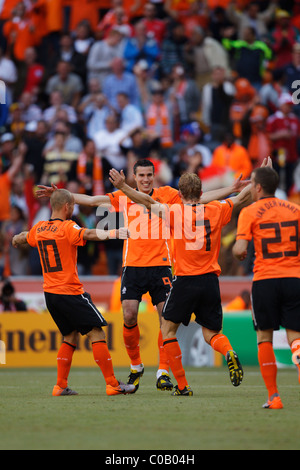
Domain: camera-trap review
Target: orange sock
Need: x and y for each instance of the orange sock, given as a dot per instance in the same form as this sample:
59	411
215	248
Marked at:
131	335
103	359
294	347
173	352
268	366
64	361
163	358
221	344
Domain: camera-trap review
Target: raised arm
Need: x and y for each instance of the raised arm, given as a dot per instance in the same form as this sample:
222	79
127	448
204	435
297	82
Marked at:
222	193
81	199
237	187
94	201
244	197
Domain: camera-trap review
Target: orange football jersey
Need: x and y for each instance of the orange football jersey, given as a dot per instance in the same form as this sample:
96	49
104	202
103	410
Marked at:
148	244
57	242
196	233
274	226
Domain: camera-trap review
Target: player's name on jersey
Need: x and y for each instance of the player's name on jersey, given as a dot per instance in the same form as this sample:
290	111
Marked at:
269	203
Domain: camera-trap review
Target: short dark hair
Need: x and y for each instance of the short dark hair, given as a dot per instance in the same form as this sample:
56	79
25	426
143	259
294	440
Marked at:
268	179
144	163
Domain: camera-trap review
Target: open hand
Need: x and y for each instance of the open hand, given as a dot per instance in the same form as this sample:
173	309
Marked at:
45	191
117	178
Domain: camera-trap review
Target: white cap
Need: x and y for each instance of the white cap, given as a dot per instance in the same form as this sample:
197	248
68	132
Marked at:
285	98
31	126
8	136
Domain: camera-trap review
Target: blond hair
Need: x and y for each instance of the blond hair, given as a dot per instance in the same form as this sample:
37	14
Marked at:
190	187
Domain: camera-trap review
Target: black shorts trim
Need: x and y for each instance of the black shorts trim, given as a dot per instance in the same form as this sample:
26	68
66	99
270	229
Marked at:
137	281
195	294
276	303
74	313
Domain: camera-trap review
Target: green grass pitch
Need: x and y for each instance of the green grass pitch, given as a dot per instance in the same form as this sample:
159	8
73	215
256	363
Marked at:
218	416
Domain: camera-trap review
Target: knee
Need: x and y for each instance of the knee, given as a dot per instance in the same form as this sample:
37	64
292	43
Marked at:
71	338
168	329
130	316
96	334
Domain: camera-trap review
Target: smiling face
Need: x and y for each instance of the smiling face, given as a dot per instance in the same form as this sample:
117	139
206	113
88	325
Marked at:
144	177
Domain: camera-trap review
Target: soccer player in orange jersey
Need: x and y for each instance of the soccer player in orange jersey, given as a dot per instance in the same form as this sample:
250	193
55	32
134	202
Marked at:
196	234
71	308
274	226
146	259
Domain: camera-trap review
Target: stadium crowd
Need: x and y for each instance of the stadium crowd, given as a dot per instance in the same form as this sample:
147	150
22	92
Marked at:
209	87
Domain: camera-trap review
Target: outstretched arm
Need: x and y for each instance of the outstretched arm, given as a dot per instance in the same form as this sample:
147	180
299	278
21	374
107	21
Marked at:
222	193
238	185
101	235
89	235
81	199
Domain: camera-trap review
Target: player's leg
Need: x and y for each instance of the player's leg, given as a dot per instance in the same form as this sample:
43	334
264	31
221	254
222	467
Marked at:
163	381
131	336
65	353
293	338
132	289
173	351
209	314
103	360
159	286
178	309
268	367
267	296
64	362
220	343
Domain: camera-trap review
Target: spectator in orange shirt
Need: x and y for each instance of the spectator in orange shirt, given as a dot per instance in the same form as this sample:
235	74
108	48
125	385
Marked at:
243	102
232	156
240	302
189	13
20	32
258	145
114	17
85	10
134	8
54	16
38	15
7	8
